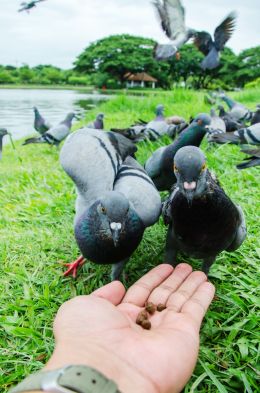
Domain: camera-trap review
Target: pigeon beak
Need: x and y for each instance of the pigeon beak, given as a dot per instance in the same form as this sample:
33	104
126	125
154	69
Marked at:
207	127
116	230
189	188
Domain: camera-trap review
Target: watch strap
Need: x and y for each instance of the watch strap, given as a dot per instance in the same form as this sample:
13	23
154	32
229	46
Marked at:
70	379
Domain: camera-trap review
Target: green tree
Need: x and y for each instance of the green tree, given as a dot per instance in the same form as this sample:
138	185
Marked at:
249	70
119	54
6	77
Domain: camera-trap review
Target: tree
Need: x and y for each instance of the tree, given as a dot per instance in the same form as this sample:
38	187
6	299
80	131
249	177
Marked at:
250	65
119	54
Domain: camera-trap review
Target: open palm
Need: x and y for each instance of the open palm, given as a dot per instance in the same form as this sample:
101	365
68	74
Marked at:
100	329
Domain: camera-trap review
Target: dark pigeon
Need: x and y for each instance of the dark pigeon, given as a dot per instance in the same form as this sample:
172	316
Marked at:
231	124
160	165
202	220
252	160
27	6
98	123
116	200
256	115
250	135
56	134
210	48
41	125
172	18
3	132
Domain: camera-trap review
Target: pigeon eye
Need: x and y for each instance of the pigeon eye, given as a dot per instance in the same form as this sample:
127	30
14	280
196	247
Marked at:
203	167
175	168
103	209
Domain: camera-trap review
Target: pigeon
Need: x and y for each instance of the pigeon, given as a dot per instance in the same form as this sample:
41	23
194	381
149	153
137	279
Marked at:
116	199
250	135
55	134
202	220
152	130
3	132
40	124
210	48
231	124
238	111
253	160
160	165
29	5
98	124
171	14
217	125
256	115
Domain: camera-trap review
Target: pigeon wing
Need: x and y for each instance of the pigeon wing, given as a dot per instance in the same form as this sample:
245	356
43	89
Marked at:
225	30
172	15
203	41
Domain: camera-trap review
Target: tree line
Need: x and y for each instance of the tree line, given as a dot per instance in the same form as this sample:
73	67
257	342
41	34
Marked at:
106	61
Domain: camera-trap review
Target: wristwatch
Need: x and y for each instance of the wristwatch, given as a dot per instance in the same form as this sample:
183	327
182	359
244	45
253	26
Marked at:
69	379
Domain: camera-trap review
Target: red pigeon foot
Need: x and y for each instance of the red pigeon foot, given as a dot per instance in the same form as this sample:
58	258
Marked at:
73	266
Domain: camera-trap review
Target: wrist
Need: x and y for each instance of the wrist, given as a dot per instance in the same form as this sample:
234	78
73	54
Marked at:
127	378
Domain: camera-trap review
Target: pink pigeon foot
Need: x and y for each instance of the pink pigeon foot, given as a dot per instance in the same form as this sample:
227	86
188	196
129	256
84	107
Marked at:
73	267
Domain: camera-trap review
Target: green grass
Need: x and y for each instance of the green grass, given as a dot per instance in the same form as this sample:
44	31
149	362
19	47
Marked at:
36	231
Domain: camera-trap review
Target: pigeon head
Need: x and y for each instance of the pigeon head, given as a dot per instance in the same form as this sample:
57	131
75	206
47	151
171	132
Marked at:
70	116
190	171
159	110
110	230
202	119
3	132
100	116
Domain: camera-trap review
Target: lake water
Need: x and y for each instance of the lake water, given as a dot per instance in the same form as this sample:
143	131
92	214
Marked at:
16	107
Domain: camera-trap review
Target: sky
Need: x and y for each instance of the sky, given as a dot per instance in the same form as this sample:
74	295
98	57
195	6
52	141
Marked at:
57	31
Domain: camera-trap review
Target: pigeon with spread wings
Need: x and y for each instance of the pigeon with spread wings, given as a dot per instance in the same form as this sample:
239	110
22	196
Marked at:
210	48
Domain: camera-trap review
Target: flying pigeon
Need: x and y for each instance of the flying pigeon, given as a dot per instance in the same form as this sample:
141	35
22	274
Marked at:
231	124
3	132
116	200
172	17
250	135
98	124
252	160
210	48
27	6
160	165
55	134
40	124
238	111
202	220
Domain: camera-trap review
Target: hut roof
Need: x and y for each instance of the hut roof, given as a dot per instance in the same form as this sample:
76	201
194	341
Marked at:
139	76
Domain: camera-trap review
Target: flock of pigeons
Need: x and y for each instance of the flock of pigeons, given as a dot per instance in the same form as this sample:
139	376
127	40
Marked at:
113	213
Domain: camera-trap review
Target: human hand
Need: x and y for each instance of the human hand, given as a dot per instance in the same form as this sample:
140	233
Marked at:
99	330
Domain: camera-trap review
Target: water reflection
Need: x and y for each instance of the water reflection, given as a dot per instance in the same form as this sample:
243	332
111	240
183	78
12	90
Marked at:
16	105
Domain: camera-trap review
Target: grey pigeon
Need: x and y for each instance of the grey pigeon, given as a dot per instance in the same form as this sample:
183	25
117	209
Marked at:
55	134
172	19
250	135
217	125
202	220
3	132
27	6
256	115
231	124
252	160
116	199
152	130
160	165
41	125
238	111
98	124
210	48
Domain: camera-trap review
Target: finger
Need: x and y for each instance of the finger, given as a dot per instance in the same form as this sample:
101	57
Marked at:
196	307
139	292
185	291
167	287
113	292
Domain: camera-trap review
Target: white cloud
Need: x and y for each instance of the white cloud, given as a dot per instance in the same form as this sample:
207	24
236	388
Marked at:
56	31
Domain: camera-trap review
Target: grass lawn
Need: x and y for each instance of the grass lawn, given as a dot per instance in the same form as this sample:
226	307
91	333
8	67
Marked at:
36	230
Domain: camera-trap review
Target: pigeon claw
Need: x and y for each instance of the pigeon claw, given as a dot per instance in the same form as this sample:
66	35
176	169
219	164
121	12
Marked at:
73	267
